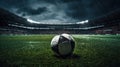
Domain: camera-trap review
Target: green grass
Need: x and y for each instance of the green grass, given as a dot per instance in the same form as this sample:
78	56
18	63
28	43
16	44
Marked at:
35	51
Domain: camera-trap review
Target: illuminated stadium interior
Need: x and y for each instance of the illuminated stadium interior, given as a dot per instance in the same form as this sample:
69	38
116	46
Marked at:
19	25
59	33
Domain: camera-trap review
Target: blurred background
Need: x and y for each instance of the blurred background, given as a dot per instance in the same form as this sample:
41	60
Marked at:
59	16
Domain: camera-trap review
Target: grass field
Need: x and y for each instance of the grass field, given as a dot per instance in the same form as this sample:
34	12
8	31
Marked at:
35	51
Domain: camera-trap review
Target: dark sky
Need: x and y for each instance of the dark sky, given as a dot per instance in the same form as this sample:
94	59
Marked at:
50	11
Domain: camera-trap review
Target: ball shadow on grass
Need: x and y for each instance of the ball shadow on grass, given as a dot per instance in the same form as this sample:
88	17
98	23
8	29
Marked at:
73	56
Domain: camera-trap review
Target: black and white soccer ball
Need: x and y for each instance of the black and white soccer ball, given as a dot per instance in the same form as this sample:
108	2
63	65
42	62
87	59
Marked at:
63	45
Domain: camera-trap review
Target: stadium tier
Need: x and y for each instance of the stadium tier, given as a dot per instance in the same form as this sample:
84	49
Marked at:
13	24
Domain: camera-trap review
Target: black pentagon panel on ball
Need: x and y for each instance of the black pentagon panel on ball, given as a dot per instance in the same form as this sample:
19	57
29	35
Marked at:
72	44
62	39
55	49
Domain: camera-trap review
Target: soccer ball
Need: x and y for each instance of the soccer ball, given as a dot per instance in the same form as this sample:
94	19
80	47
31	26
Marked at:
63	45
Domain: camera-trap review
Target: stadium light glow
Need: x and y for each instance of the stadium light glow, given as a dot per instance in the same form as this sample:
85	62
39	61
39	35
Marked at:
83	22
54	22
31	21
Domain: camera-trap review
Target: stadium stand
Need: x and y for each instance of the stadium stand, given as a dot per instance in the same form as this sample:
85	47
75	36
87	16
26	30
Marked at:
13	24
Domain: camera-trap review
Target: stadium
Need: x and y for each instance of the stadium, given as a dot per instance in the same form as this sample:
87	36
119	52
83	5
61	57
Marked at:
26	43
108	24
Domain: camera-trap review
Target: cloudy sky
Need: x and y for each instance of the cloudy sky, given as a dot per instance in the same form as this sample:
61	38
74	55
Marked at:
50	11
